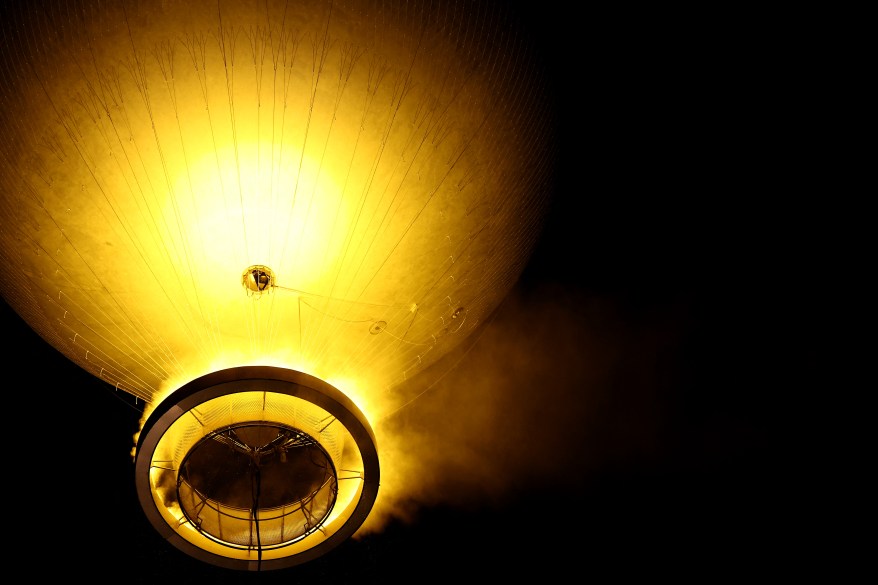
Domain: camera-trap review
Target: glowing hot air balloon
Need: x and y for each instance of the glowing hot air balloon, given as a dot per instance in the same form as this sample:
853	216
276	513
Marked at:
263	219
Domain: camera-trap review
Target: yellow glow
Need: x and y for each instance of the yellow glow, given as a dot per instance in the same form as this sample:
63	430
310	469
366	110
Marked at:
385	163
262	222
385	190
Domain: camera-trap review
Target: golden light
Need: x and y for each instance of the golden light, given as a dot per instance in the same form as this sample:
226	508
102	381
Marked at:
263	219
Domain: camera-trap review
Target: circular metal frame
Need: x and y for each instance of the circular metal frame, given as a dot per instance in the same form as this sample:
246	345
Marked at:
218	474
270	380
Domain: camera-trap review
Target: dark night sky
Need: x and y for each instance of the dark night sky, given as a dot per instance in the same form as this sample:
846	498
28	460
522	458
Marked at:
672	287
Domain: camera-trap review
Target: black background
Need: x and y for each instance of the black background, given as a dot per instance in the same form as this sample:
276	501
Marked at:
678	269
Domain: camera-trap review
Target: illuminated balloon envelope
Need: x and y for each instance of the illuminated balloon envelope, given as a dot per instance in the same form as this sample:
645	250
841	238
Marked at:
263	219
